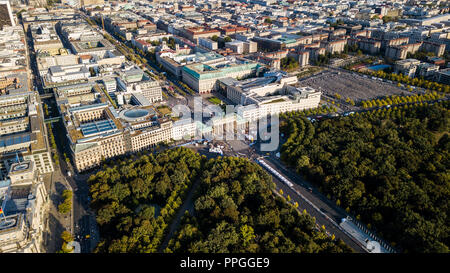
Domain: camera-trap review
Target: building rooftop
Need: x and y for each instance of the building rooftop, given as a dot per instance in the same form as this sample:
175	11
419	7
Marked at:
97	127
89	106
15	139
210	71
19	167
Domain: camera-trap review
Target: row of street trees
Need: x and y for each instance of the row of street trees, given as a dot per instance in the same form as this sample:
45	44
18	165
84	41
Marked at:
400	78
395	100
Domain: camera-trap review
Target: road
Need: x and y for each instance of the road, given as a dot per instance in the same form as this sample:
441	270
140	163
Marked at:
186	99
83	221
317	205
83	217
324	211
308	198
55	182
320	209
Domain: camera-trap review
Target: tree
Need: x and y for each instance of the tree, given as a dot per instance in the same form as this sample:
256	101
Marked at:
248	234
67	237
215	38
92	71
227	39
303	161
235	208
275	222
66	205
397	147
289	63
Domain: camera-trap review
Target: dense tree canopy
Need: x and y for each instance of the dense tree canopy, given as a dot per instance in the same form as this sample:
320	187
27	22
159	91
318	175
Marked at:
389	167
236	211
137	198
289	63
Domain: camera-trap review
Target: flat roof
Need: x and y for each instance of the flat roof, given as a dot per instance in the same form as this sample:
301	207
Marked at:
255	82
96	127
20	166
203	71
90	106
15	139
76	86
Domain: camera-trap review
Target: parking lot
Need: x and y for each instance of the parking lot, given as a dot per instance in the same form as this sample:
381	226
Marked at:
352	85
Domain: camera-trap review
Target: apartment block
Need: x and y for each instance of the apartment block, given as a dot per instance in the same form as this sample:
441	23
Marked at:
207	43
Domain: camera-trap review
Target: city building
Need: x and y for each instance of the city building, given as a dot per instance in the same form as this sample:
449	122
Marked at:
97	132
91	2
303	58
24	201
407	67
336	46
427	70
45	39
174	63
6	16
203	77
272	94
66	73
23	134
193	33
134	80
207	43
443	76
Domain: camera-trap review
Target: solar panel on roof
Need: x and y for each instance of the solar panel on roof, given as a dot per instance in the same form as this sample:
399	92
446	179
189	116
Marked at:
13	140
17	140
97	127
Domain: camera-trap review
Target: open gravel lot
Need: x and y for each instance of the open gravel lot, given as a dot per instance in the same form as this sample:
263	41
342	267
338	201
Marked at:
352	85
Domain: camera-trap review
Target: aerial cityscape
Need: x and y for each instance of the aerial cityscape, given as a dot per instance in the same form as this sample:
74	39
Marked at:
224	126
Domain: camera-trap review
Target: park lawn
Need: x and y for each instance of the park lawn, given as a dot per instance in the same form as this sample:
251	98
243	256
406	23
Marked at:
164	110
